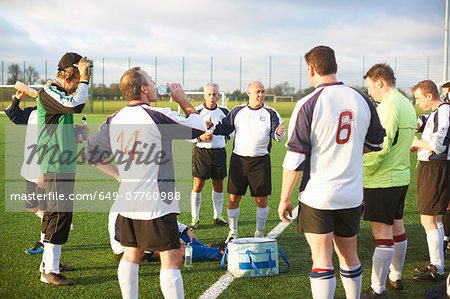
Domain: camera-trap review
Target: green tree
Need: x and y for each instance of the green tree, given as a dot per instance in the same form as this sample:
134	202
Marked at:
31	75
282	89
14	74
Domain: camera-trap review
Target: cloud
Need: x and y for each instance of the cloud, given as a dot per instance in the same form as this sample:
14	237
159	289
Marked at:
17	43
105	28
199	29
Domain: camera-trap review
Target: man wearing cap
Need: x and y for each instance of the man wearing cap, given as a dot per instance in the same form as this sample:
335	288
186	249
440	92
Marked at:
57	148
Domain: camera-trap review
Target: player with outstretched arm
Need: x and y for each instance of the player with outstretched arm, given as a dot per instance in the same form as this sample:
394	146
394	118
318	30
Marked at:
130	136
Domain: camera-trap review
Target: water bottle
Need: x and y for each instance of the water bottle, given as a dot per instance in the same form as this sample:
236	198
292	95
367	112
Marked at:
163	90
188	255
25	88
80	130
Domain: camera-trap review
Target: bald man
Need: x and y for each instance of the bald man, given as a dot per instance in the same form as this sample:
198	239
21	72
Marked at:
255	124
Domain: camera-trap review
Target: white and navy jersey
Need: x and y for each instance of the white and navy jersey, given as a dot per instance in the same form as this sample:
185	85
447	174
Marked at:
253	128
327	132
30	168
31	171
140	139
437	132
421	120
215	115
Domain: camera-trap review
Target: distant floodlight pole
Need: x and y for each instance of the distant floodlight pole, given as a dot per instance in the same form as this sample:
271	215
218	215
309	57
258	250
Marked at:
444	75
240	74
156	69
300	79
362	77
211	70
182	79
270	72
103	85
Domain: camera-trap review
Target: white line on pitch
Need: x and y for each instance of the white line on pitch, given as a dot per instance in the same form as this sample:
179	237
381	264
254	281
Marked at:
222	284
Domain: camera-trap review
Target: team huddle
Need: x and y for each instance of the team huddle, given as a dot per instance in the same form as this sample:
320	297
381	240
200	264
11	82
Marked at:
353	157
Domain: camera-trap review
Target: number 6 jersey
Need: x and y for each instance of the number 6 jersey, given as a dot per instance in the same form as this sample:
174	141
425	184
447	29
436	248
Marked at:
327	133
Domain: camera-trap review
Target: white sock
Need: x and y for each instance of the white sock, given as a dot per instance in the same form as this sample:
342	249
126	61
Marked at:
128	274
42	234
171	283
261	217
381	260
399	257
196	201
51	257
440	227
435	242
448	286
39	214
233	216
217	199
351	277
323	282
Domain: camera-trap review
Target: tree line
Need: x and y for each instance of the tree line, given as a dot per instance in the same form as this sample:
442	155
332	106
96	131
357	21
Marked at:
101	91
29	75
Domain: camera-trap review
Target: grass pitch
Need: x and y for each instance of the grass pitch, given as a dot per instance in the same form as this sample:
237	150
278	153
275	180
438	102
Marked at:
88	247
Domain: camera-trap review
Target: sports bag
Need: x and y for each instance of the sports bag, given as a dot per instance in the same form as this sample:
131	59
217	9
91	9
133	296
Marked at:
253	257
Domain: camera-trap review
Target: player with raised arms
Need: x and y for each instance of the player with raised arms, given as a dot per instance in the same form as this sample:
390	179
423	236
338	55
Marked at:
135	131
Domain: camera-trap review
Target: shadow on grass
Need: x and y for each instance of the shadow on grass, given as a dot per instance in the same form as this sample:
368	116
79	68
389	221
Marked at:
97	268
86	247
92	280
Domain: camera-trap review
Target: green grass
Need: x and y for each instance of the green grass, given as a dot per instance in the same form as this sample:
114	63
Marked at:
88	247
109	107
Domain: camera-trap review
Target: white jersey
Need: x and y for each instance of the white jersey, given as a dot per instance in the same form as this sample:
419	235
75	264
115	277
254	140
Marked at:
140	139
253	128
327	133
30	168
436	131
215	115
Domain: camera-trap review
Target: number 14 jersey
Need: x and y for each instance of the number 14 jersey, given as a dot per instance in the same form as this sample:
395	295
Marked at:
327	133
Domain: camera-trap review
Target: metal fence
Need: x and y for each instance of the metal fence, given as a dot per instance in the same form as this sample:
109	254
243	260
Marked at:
235	72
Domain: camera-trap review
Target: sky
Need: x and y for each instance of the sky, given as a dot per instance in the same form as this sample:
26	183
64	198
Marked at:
117	30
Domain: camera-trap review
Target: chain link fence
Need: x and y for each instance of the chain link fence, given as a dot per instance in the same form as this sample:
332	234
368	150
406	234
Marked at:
282	75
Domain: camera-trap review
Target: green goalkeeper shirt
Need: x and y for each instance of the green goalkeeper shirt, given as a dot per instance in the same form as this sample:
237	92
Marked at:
390	166
57	146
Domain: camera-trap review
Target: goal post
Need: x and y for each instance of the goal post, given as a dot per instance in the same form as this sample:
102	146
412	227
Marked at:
283	99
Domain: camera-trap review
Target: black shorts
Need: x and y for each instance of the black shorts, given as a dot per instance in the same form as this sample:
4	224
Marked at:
58	214
254	172
433	187
209	163
344	222
384	204
158	234
32	201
